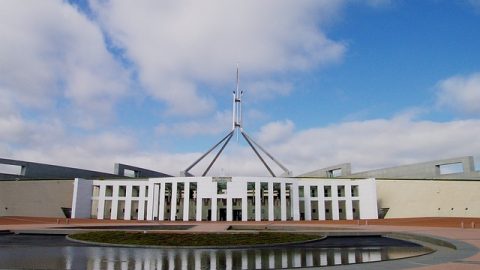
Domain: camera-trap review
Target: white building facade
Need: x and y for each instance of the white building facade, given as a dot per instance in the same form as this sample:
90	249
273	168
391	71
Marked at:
225	199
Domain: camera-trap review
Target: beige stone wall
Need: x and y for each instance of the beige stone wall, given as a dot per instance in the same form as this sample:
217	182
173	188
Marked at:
405	198
41	198
429	198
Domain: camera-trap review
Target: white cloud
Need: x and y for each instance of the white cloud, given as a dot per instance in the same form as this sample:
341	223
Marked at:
368	144
267	89
179	45
276	132
379	143
460	93
221	122
51	52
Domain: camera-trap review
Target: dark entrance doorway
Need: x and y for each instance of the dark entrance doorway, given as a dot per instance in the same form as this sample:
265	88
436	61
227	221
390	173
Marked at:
222	215
237	215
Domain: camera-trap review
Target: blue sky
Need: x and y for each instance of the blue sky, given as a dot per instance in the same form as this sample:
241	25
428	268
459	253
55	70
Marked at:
374	82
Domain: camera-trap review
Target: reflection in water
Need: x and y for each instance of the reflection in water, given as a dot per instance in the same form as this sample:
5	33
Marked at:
86	257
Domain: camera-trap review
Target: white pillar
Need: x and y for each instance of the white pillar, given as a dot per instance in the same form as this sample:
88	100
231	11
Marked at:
258	202
270	201
141	202
348	202
128	203
283	201
113	214
335	212
245	206
321	203
161	205
295	202
173	203
307	202
229	209
156	200
214	209
101	202
186	200
150	200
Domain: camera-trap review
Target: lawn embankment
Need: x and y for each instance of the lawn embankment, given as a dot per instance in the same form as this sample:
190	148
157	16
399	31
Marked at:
191	239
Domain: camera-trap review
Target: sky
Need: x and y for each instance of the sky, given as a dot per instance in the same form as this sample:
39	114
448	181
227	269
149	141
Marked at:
376	83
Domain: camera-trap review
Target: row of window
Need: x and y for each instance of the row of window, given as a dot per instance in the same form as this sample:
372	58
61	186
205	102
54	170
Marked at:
122	191
222	189
327	191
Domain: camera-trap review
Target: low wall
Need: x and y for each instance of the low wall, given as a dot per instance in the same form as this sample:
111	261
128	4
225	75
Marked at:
36	198
429	198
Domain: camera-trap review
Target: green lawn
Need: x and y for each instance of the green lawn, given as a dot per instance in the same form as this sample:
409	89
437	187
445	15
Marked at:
190	239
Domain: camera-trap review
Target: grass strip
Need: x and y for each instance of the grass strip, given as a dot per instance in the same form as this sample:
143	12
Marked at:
190	239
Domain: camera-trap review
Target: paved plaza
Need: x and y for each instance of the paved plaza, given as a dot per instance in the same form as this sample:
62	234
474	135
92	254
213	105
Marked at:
463	233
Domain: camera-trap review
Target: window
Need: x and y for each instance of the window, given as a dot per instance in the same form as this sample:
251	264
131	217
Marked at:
122	191
221	187
12	169
96	191
313	191
355	191
450	168
135	191
334	173
341	191
327	191
108	190
131	173
301	191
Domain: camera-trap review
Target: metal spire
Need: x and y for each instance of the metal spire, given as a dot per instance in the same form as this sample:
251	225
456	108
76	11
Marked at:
237	127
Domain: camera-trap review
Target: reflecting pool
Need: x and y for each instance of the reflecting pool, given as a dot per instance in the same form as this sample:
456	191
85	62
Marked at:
60	254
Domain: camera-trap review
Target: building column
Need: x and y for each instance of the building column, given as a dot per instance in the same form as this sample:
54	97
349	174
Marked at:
307	202
173	203
156	197
335	212
161	204
113	214
229	208
141	203
245	206
186	200
283	201
258	202
150	200
101	201
321	203
128	202
295	201
348	202
214	208
270	202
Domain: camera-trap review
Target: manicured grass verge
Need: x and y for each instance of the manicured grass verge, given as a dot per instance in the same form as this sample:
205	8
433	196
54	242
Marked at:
187	239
